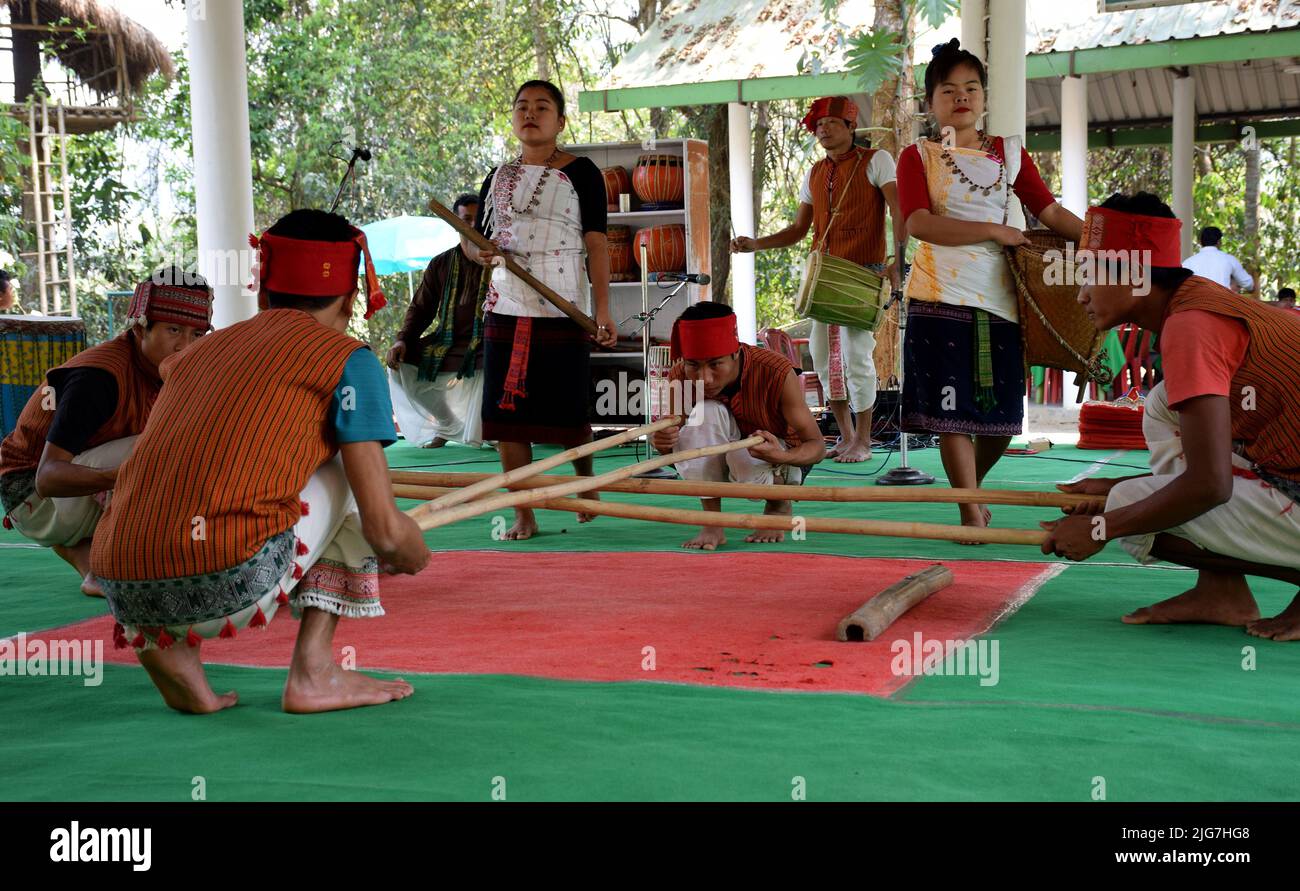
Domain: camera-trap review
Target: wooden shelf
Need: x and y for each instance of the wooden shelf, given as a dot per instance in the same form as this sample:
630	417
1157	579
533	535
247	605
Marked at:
625	297
642	218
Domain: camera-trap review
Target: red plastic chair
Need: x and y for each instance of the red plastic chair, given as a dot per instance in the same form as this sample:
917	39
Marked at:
778	341
1139	361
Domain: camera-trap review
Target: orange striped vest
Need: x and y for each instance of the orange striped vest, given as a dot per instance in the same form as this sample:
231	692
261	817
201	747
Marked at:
756	404
1265	418
241	424
137	388
859	230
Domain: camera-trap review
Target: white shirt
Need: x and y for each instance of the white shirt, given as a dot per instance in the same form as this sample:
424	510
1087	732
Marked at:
880	172
1214	264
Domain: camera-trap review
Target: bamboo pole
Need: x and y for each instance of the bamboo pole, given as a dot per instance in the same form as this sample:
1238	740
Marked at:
489	482
433	519
478	239
838	494
931	531
870	620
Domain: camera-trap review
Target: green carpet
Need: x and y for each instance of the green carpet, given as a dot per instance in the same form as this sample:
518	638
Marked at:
1160	713
562	741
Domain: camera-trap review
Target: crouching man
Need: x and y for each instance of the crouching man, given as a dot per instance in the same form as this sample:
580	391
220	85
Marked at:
746	390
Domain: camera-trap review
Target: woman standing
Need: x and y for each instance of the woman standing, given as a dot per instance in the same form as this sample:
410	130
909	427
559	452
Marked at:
546	209
963	366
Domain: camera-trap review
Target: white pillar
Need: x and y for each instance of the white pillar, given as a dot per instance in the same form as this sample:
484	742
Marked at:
1074	144
223	176
973	33
743	285
1006	64
1184	146
1074	178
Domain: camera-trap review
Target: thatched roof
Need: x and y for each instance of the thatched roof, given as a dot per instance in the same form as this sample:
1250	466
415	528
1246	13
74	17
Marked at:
107	29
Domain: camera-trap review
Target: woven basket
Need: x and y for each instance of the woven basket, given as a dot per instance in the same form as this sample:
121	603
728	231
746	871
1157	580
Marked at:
1053	326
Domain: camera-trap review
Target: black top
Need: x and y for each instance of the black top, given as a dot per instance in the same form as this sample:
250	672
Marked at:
587	181
85	398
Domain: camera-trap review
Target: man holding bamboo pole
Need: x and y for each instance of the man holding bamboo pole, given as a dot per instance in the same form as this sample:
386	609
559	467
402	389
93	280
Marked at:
1223	429
747	391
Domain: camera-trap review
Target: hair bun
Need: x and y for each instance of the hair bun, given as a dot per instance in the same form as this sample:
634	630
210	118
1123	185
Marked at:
954	45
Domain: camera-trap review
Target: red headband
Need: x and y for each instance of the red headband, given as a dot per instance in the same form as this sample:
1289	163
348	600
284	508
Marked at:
704	338
830	107
177	304
314	268
1105	229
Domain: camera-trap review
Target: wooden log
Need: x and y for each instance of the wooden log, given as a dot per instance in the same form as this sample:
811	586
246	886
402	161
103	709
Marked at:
478	239
432	520
519	477
870	620
931	531
838	494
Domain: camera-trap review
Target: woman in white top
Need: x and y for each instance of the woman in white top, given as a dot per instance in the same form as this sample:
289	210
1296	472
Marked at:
547	210
963	363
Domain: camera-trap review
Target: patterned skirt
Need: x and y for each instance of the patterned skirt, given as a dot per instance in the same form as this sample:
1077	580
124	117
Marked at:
949	384
536	384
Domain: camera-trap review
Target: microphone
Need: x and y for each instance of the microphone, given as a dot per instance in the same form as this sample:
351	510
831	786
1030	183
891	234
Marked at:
358	154
695	278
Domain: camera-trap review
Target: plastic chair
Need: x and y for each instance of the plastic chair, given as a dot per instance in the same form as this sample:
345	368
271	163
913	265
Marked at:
778	341
1139	361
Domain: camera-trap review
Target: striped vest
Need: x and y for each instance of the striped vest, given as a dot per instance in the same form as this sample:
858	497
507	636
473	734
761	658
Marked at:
756	404
1266	417
241	424
137	388
859	230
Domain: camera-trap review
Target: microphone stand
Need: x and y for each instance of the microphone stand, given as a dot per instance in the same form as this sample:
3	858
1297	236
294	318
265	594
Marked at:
357	154
902	475
646	317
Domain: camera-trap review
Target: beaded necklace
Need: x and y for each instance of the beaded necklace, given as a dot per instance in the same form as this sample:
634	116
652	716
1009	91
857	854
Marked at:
986	146
541	182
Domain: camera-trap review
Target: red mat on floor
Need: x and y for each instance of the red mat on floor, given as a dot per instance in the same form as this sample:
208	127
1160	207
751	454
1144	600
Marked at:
738	620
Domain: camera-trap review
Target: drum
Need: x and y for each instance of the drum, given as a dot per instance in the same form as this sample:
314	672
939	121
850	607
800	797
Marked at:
617	182
1054	328
665	246
840	292
29	347
621	266
660	182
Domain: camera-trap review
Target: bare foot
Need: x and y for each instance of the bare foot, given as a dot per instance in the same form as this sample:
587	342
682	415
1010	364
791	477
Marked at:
1216	599
330	688
771	536
975	515
178	674
584	517
854	453
78	556
525	527
710	539
436	443
838	449
1284	626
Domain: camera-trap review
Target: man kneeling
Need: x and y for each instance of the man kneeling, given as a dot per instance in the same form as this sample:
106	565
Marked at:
58	466
260	481
746	390
1223	430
